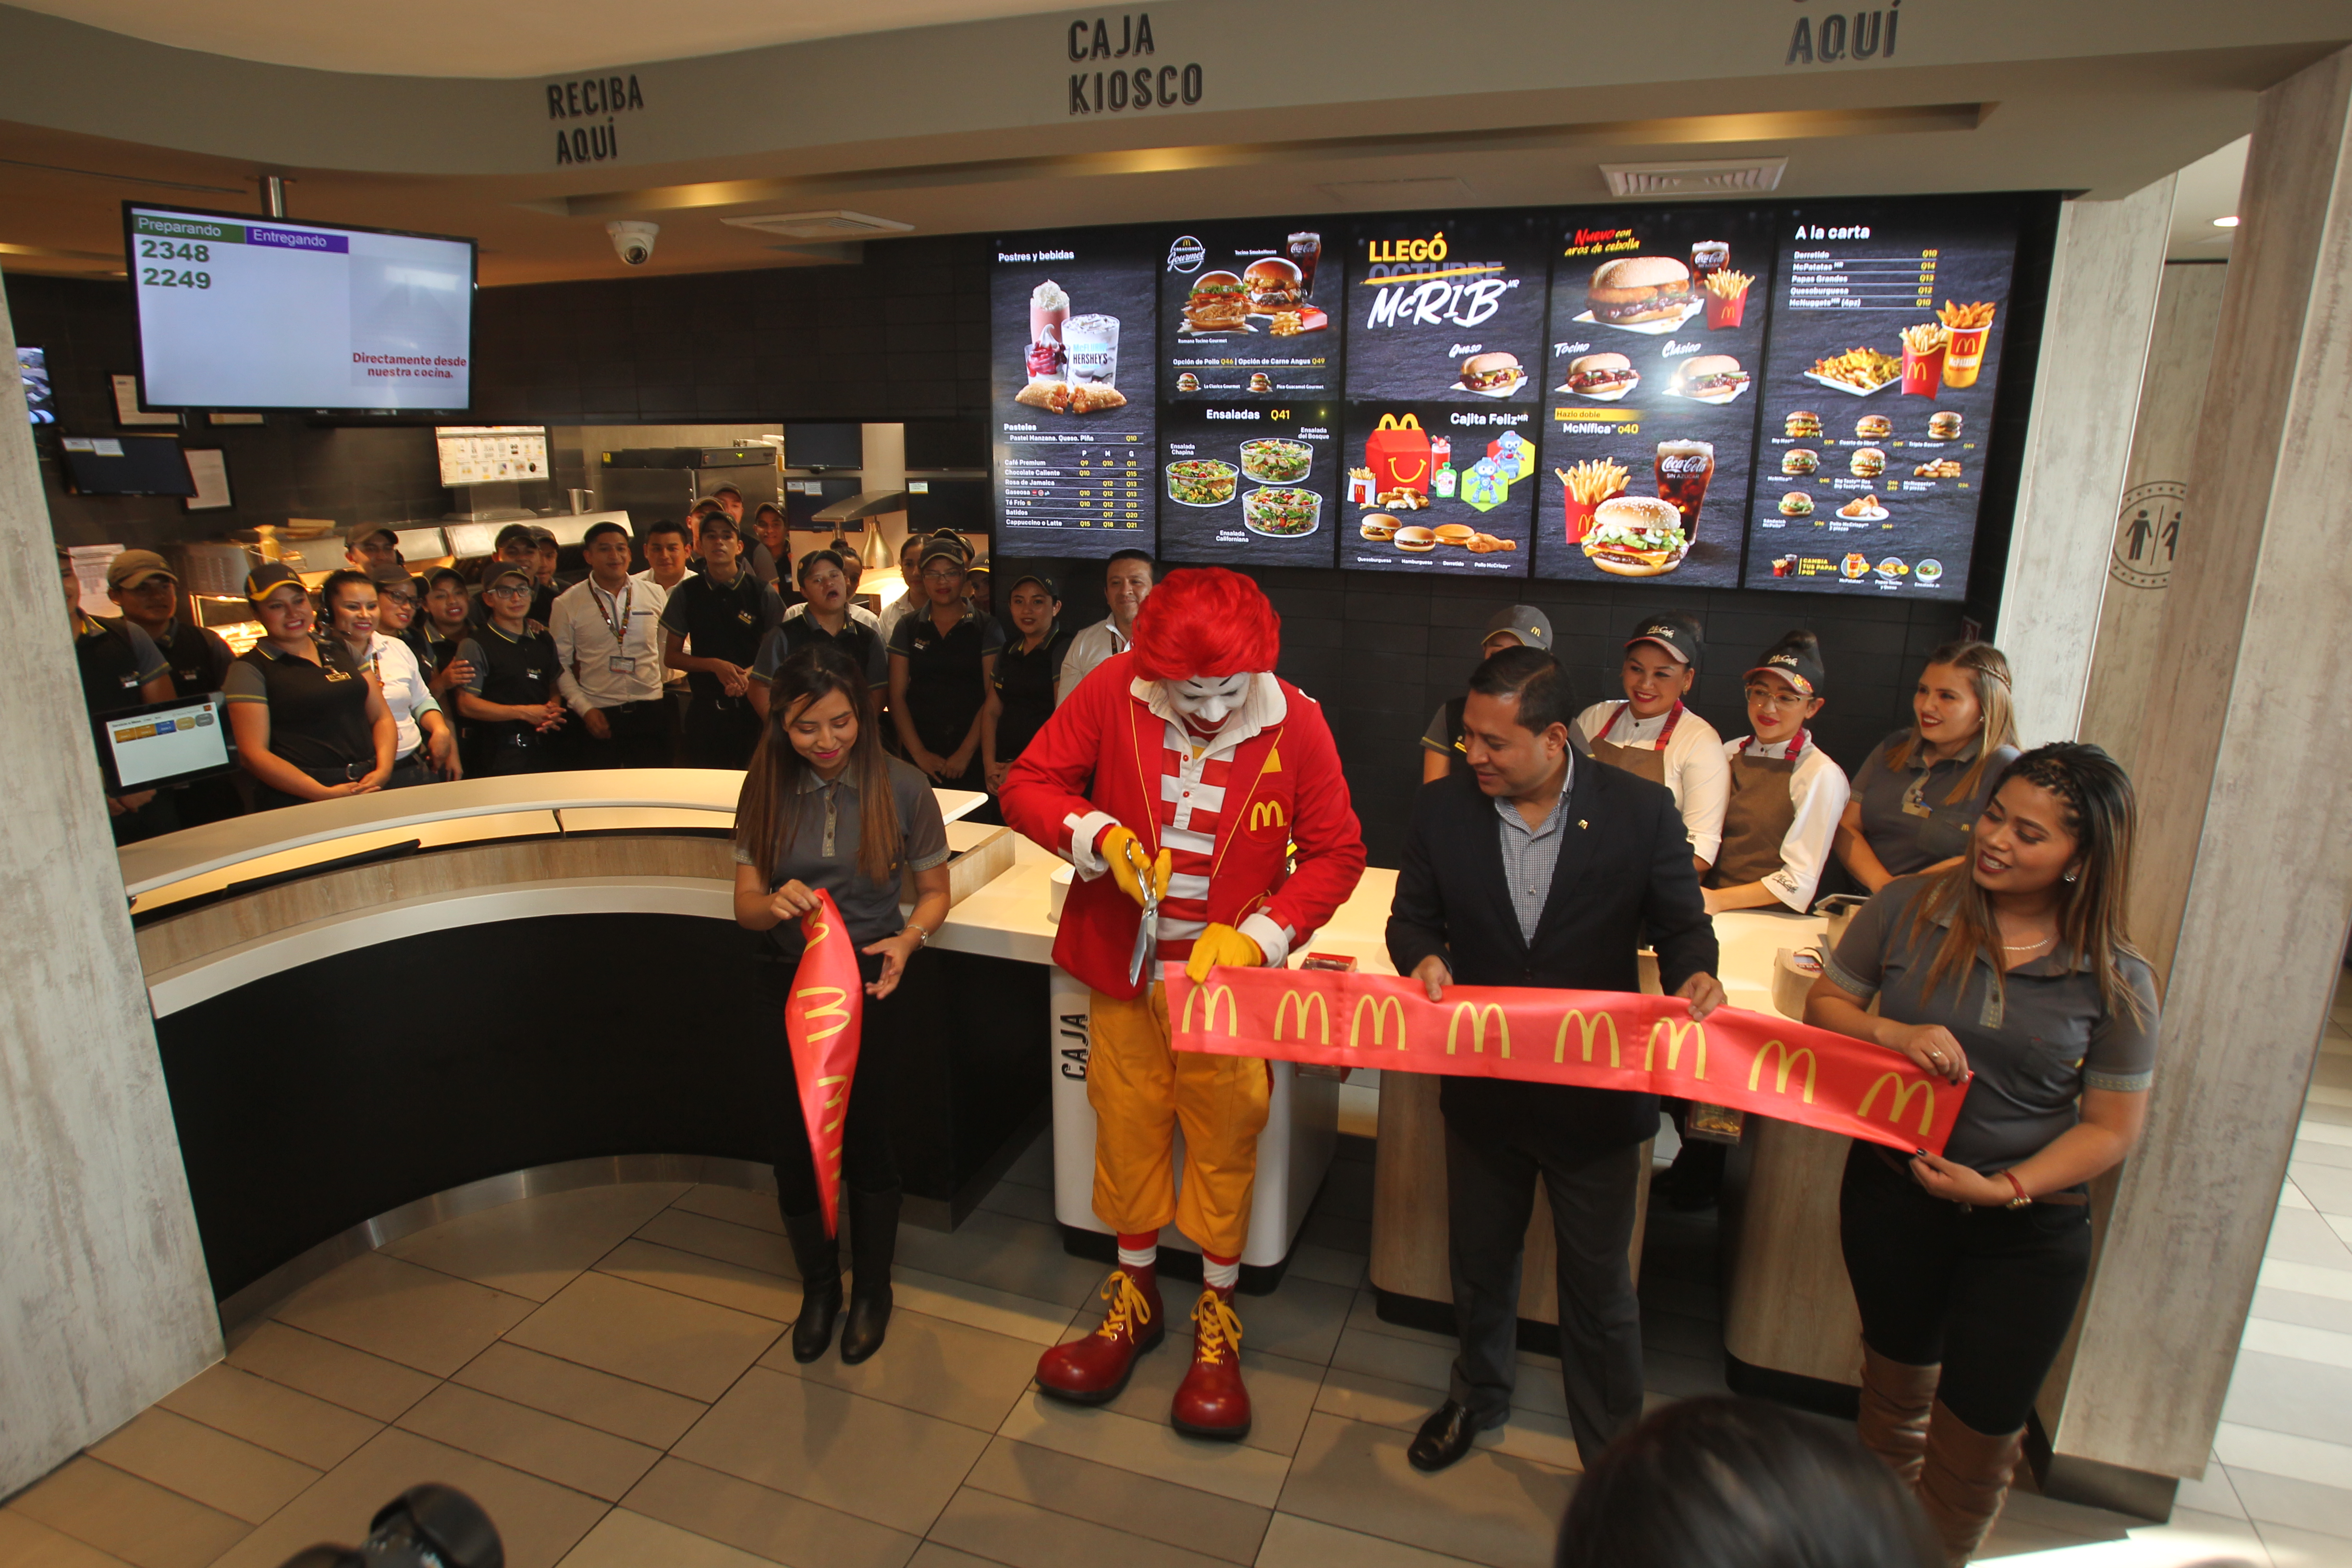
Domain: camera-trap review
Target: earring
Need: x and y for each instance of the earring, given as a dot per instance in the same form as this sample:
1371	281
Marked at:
2070	876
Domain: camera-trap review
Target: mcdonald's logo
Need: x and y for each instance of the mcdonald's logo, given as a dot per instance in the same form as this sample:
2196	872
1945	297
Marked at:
817	929
832	1009
1479	1018
1265	814
1381	1011
1786	1062
1233	1009
1293	1004
1899	1101
833	1102
1588	1030
1676	1030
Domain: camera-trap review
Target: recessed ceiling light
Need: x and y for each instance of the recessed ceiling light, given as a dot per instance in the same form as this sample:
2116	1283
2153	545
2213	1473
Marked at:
2225	223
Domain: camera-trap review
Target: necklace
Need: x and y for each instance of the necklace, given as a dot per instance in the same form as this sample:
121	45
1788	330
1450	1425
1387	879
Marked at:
2026	947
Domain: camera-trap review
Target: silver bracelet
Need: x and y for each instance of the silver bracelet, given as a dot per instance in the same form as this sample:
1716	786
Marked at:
922	937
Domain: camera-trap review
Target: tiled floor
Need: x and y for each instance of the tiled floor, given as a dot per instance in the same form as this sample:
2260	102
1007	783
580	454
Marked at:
606	1371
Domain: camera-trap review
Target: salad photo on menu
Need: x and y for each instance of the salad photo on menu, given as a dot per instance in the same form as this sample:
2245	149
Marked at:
1073	425
1251	483
1656	339
1878	394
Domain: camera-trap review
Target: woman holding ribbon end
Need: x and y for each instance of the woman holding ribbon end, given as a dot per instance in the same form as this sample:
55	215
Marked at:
824	809
2011	965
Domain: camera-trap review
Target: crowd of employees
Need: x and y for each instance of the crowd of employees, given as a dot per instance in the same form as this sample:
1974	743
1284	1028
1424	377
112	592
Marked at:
1545	847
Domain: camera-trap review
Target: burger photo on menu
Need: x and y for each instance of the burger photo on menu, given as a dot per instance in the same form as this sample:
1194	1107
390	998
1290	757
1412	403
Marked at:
1444	307
1650	294
1604	378
1636	536
1218	303
1491	375
1709	378
1247	309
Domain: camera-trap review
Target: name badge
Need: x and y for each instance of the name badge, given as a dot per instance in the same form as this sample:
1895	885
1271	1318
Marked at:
621	664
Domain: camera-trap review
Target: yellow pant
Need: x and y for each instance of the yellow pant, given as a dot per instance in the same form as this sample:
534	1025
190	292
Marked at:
1141	1091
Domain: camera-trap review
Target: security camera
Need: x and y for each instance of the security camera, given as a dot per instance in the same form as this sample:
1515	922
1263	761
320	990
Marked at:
634	242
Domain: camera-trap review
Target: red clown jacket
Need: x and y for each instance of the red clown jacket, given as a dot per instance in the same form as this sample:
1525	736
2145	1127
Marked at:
1101	753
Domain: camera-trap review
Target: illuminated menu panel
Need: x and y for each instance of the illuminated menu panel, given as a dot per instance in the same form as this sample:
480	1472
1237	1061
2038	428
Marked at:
1878	397
1072	357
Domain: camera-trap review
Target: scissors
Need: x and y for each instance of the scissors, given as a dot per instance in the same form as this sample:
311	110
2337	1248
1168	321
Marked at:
1146	930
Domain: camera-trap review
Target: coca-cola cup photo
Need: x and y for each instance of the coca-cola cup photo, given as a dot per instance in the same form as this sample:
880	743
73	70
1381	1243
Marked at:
1305	251
1684	468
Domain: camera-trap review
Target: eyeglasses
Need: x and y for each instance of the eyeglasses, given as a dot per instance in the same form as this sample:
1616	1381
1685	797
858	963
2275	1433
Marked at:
509	591
407	601
1776	697
952	574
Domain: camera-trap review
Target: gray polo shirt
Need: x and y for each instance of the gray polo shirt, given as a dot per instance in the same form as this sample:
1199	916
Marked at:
1905	819
821	850
2034	1043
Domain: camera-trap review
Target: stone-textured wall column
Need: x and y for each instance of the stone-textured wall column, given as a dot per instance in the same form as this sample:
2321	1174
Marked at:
2245	870
104	1305
2103	289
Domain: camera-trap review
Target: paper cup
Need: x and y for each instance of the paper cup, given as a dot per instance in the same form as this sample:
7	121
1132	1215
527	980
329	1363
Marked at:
1965	356
1922	371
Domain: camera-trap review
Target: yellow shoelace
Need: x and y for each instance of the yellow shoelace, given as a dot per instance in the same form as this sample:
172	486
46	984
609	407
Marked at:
1216	1325
1129	1309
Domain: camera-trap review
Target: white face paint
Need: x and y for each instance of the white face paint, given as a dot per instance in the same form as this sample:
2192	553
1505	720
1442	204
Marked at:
1206	701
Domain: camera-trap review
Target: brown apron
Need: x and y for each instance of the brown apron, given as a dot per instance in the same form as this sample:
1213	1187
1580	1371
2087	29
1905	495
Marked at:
1643	762
1755	821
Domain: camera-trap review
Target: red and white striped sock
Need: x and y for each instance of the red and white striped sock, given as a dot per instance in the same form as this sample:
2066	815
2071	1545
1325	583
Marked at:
1140	1251
1220	1273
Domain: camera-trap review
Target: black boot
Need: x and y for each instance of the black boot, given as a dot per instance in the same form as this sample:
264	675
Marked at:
819	1258
873	1241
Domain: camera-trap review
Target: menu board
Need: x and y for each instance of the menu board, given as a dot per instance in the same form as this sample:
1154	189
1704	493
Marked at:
1878	397
1250	461
1658	318
1074	423
1444	318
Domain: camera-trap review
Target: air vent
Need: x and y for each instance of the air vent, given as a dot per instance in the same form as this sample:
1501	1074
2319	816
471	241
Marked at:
1372	195
834	225
1710	176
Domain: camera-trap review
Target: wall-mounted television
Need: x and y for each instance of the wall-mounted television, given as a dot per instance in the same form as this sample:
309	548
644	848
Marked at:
237	312
126	466
824	445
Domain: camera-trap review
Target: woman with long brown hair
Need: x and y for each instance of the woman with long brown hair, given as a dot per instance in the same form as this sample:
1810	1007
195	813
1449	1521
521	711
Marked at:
1917	795
2013	966
824	809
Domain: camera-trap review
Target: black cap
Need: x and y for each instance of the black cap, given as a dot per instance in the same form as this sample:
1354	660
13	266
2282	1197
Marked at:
397	577
1672	630
950	545
513	531
506	569
1052	589
1797	660
269	575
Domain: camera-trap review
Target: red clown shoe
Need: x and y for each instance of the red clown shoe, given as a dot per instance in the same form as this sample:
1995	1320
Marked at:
1094	1370
1212	1402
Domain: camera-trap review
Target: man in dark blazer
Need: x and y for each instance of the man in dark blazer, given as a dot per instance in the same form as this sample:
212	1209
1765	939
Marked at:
1535	867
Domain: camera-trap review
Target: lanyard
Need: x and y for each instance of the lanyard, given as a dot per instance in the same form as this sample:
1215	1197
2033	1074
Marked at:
1664	735
1796	746
616	619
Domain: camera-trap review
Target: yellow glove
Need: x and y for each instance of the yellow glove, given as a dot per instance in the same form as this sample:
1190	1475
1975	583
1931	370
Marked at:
1221	946
1128	867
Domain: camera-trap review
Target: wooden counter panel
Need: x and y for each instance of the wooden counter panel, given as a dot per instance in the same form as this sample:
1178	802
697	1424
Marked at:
177	939
1788	1306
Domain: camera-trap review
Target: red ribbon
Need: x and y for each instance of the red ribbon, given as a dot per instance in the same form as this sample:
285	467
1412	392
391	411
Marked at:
822	1022
1593	1039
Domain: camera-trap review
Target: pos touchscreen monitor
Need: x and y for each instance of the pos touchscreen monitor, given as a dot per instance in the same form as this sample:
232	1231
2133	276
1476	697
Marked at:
158	744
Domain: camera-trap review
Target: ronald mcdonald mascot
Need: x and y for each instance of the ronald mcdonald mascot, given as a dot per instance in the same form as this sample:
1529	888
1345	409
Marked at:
1201	800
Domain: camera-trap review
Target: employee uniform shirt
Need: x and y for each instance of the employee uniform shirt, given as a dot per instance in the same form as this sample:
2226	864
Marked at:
1026	682
819	848
1695	769
672	680
317	712
1530	854
860	640
198	658
2034	1042
1905	819
898	610
1817	787
595	667
723	620
1096	643
116	658
946	686
516	671
397	671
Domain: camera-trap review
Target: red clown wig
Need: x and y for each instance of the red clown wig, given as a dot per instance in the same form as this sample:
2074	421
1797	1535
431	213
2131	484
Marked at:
1205	622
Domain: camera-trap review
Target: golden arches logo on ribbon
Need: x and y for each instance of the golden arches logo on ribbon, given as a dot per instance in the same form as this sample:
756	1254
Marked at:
834	1101
1381	1013
1785	1061
1899	1101
813	925
1214	994
1265	814
832	1010
1298	1006
1480	1016
1677	1031
1588	1030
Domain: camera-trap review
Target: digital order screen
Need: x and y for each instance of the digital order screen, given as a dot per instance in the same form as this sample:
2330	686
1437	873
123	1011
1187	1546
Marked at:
160	743
242	313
